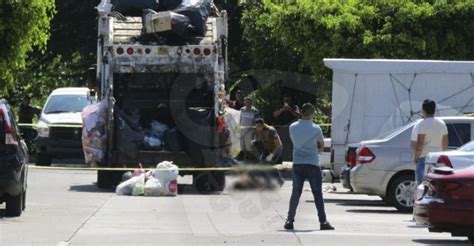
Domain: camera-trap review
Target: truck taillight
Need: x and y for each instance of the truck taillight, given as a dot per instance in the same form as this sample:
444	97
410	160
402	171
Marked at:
119	50
352	158
444	159
130	50
9	137
173	23
365	155
207	51
197	51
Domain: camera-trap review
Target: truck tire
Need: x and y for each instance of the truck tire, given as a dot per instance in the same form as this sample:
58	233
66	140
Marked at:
471	239
208	182
43	160
401	193
14	205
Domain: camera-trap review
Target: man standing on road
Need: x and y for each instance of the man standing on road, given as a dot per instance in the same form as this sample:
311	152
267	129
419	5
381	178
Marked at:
432	137
308	141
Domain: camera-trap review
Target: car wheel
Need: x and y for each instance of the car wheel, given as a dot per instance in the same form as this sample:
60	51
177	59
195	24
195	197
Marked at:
43	160
14	205
401	193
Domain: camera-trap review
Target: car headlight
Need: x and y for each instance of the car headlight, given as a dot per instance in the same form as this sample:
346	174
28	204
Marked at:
43	131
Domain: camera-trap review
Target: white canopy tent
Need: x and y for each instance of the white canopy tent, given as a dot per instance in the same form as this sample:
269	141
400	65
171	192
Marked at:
370	97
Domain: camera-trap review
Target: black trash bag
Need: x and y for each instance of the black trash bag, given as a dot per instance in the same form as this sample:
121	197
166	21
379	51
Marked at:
134	7
182	31
128	137
166	5
173	140
197	12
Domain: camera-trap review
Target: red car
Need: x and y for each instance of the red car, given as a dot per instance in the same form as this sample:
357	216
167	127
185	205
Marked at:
447	204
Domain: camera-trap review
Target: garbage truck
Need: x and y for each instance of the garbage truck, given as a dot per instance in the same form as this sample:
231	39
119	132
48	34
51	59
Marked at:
161	88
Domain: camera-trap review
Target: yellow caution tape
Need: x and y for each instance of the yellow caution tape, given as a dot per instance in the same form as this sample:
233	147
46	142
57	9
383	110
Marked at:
239	168
52	125
182	169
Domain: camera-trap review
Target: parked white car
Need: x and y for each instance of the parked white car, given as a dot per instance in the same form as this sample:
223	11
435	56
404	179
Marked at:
384	165
456	159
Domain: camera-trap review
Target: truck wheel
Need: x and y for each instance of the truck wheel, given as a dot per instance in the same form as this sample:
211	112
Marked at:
43	160
207	182
108	179
471	238
14	205
401	193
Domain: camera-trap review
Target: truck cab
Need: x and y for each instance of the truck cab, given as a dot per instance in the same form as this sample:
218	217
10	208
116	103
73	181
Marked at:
174	86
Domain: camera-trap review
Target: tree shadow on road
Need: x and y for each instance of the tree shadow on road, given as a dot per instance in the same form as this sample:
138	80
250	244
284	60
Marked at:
183	189
441	242
373	211
352	202
90	188
298	231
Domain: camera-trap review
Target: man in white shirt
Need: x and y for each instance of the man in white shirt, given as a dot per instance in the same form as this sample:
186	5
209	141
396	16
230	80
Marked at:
432	137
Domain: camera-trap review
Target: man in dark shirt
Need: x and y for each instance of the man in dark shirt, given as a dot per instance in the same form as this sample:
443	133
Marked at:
239	100
26	113
287	113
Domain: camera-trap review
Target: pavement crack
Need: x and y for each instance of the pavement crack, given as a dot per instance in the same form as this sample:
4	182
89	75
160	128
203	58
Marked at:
88	219
294	233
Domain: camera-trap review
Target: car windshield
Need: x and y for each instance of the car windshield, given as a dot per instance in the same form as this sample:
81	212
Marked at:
469	147
396	131
66	103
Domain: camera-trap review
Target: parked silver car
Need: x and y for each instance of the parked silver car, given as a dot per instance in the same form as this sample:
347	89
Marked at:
384	167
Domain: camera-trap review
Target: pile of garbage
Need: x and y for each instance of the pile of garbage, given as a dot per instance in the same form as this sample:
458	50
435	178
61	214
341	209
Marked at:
168	22
159	182
94	134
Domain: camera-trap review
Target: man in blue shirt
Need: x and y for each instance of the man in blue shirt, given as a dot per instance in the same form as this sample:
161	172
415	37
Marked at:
308	140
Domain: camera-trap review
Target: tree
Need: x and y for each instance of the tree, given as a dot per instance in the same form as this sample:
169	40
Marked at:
66	57
399	29
24	25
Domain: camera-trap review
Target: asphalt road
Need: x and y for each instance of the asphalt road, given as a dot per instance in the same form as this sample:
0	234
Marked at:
66	208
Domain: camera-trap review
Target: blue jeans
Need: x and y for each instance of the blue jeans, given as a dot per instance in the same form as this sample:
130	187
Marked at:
420	170
312	173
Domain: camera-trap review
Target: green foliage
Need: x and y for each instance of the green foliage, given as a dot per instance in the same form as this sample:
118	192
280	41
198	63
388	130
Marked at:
24	25
304	32
373	29
45	74
61	61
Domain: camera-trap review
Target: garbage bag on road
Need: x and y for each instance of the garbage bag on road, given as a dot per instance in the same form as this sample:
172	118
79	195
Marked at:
126	188
139	188
167	173
152	187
